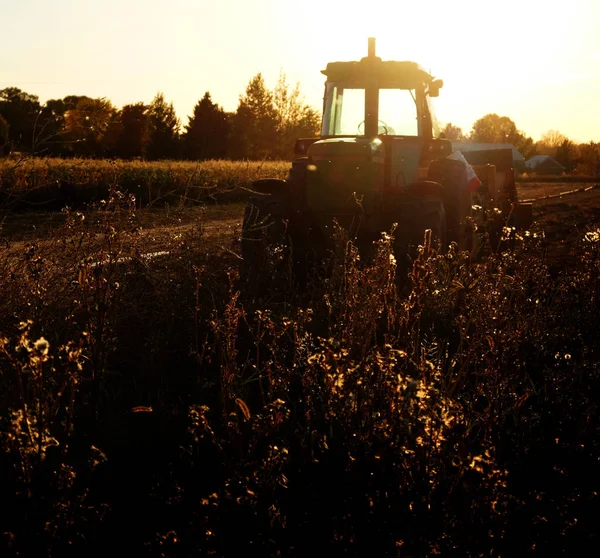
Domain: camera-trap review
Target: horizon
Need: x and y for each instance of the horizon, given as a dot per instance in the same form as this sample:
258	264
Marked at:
546	78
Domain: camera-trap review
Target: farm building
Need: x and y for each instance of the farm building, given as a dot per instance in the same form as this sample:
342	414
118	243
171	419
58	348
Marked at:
544	164
466	146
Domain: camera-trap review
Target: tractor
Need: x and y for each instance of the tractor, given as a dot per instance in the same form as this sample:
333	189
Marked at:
377	166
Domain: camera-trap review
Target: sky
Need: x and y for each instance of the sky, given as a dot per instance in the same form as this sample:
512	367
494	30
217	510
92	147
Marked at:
537	62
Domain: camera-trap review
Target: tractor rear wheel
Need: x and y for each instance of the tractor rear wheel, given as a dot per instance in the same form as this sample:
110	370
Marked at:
418	214
450	173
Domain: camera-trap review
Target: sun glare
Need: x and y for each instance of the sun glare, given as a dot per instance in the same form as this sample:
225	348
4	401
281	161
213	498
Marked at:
492	57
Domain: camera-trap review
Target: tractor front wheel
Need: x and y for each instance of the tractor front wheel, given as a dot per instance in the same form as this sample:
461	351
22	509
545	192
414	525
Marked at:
265	243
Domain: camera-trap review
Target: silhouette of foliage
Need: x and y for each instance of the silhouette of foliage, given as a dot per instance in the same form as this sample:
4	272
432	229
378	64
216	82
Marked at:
207	131
566	154
452	132
20	110
588	162
3	134
267	123
550	141
492	128
164	129
135	134
92	127
294	117
254	126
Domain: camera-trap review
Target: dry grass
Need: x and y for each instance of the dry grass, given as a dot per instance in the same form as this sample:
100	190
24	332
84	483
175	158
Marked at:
52	184
457	416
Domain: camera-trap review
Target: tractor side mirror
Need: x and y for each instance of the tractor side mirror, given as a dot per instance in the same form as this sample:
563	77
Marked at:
434	87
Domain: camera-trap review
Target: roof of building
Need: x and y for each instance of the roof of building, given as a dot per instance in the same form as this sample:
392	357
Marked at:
538	161
466	146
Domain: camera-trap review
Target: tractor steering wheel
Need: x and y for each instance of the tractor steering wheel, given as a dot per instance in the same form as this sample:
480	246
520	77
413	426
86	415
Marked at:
384	126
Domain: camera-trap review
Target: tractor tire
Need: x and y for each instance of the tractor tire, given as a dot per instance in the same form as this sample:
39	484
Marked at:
418	214
265	243
426	211
450	174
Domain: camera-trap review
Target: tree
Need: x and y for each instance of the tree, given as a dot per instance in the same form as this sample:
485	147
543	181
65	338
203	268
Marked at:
501	129
452	132
495	129
550	142
566	154
588	163
254	128
553	138
163	129
207	131
293	116
526	146
135	134
92	127
20	110
50	131
3	134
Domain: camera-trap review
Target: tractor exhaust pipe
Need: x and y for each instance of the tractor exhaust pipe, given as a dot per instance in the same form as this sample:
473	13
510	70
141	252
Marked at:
372	98
371	51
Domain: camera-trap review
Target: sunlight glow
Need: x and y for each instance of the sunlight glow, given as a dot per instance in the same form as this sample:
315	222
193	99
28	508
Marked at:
535	61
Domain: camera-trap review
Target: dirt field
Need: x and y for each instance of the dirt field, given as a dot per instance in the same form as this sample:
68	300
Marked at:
564	219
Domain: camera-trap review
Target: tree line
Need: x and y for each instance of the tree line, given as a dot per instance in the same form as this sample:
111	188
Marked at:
264	125
584	158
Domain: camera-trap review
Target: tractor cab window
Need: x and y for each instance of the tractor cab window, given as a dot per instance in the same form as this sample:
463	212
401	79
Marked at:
398	112
344	111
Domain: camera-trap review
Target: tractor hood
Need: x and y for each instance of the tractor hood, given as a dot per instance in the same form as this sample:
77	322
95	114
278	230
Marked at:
357	148
345	176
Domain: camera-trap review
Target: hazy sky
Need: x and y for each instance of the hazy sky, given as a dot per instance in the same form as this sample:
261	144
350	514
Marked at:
536	61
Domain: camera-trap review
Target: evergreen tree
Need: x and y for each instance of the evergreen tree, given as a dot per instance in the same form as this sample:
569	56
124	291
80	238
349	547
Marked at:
163	129
135	135
206	133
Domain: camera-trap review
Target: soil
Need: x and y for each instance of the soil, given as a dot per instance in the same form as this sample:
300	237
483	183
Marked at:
565	219
564	211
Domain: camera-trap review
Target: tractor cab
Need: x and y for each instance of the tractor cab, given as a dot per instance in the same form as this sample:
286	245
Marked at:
376	138
372	97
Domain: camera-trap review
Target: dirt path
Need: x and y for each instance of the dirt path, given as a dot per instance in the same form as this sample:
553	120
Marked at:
564	219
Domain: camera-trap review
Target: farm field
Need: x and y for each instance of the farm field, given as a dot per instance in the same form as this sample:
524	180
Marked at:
459	411
563	219
382	355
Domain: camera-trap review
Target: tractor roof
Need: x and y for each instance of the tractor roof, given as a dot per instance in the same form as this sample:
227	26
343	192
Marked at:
389	74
